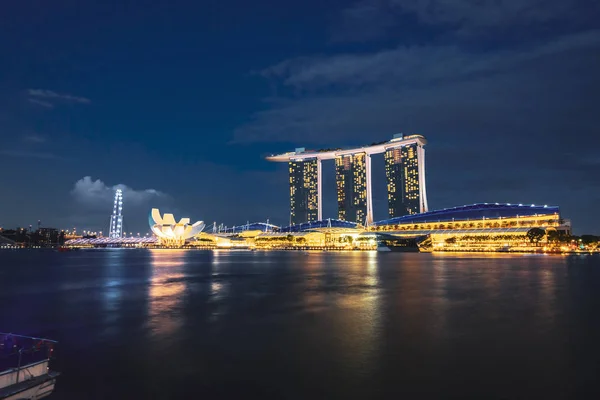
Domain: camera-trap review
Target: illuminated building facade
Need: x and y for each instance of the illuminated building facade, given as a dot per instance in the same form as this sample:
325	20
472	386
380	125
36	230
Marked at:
351	180
305	190
405	170
478	227
171	233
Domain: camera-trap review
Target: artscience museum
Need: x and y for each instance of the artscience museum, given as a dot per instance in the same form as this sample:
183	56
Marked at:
170	232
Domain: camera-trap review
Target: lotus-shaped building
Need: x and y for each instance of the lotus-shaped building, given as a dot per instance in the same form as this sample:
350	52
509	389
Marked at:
171	232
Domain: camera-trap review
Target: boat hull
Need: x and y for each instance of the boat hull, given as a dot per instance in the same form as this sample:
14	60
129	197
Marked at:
24	367
33	391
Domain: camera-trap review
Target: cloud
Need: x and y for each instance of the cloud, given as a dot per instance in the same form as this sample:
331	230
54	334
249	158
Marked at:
93	204
34	138
46	98
42	103
30	154
365	20
94	193
410	66
518	20
30	146
491	13
431	89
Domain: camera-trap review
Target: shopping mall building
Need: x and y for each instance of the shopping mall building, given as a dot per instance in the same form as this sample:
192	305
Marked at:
477	227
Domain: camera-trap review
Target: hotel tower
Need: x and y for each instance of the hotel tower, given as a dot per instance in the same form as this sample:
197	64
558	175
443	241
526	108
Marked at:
305	190
405	173
351	180
404	169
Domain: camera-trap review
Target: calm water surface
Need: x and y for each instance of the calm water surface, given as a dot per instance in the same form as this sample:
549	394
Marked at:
136	324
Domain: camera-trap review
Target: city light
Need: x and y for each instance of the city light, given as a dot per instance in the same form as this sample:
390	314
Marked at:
116	219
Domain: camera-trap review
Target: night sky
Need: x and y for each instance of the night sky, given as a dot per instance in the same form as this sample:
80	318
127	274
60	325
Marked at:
179	102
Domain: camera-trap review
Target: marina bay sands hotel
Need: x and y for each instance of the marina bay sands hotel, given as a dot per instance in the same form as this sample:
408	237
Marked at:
404	169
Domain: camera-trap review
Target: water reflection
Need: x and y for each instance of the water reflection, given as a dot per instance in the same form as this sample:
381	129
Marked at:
352	281
440	302
112	289
326	325
312	267
216	288
373	278
166	289
547	292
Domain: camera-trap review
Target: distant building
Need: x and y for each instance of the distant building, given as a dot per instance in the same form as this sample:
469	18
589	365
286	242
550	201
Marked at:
304	190
405	173
351	179
47	237
44	237
18	235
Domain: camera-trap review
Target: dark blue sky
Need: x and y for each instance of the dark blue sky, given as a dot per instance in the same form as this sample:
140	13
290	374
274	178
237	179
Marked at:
180	100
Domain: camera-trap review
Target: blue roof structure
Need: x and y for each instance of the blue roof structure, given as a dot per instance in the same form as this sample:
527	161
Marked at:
255	226
474	211
324	223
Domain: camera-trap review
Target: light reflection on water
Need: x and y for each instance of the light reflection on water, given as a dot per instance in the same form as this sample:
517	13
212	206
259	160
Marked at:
113	291
166	289
318	325
360	325
344	290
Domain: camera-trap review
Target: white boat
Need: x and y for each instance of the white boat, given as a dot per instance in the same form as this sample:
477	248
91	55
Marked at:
24	367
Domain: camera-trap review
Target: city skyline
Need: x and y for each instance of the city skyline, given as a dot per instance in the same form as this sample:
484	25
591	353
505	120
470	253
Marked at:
275	199
178	103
